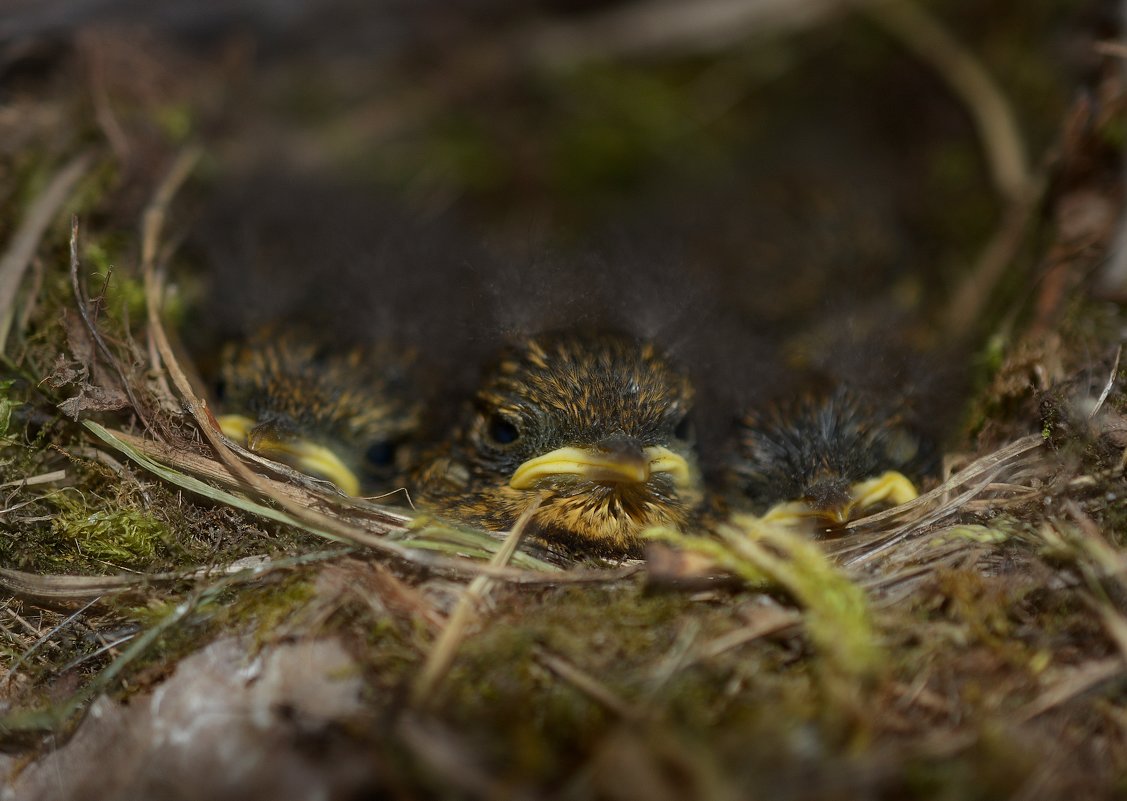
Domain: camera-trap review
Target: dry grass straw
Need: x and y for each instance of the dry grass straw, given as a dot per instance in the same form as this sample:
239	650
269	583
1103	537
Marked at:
884	557
979	480
362	522
446	646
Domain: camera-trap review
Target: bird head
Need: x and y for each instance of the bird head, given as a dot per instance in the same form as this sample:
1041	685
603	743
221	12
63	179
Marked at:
339	413
826	457
595	425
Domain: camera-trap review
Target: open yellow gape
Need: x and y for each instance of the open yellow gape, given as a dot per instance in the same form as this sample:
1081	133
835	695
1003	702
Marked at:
301	454
892	487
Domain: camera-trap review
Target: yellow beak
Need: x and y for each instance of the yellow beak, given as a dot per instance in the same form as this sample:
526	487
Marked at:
892	486
306	456
595	466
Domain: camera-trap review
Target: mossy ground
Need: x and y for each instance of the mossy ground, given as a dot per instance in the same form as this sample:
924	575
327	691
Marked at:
978	675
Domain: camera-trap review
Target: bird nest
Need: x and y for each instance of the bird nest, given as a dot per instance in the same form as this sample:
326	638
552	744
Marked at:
165	585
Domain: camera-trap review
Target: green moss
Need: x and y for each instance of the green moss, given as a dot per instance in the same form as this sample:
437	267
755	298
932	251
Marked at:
127	536
836	612
118	295
268	607
499	684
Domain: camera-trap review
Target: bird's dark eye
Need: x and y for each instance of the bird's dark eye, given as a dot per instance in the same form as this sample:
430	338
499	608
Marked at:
380	454
502	430
684	429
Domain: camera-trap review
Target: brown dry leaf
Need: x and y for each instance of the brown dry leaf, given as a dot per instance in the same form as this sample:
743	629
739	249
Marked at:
93	399
85	351
79	341
99	390
65	372
225	711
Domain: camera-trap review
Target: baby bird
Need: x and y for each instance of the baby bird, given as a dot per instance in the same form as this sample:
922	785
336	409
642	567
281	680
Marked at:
596	424
338	413
825	457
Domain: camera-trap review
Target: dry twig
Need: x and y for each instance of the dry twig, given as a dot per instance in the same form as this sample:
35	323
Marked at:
968	79
588	685
96	335
772	621
1077	682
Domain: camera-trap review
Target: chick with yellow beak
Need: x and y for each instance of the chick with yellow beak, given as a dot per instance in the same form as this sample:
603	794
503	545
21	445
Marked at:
595	425
824	460
335	412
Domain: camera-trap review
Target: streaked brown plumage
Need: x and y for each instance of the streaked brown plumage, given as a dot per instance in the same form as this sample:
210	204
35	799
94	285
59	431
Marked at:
597	424
339	412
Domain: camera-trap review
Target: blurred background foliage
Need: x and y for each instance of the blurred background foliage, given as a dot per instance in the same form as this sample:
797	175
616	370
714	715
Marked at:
777	190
